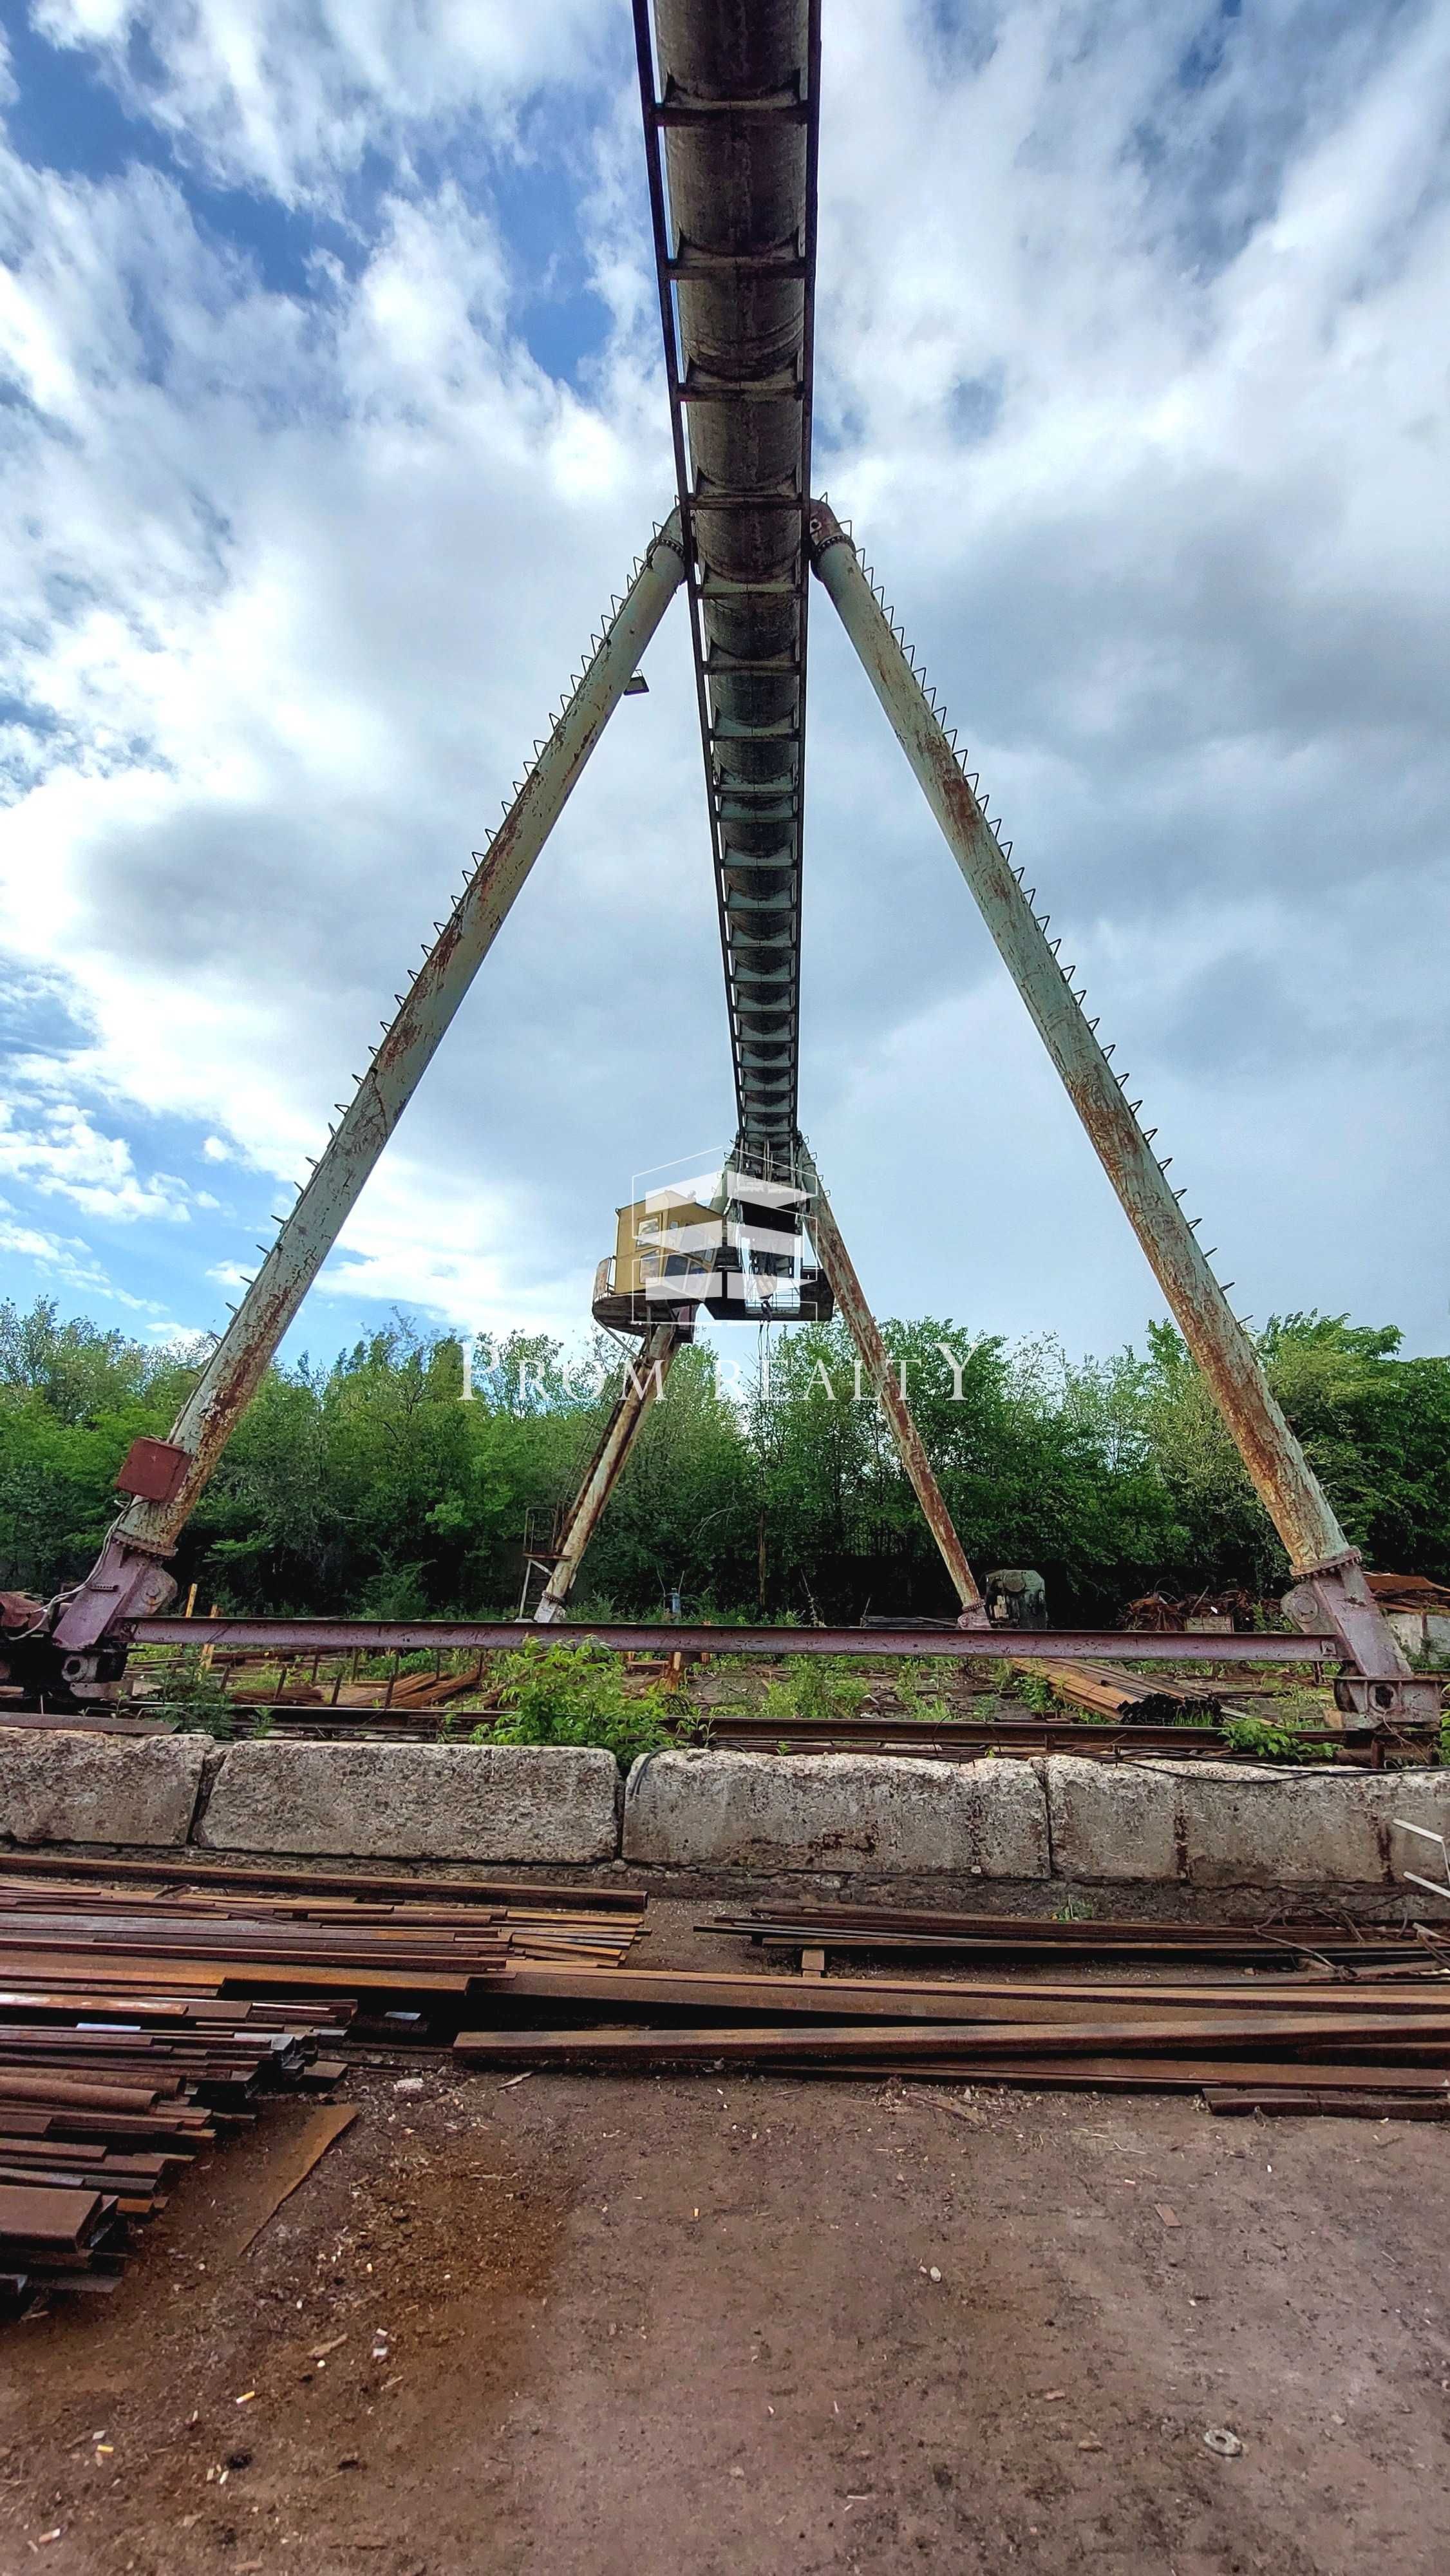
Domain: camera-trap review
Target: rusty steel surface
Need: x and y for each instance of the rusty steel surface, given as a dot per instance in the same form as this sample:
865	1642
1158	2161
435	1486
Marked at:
643	1385
730	98
388	1636
1286	1484
237	1365
850	1297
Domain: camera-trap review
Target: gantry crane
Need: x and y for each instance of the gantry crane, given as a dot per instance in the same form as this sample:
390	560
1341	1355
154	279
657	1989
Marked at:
731	105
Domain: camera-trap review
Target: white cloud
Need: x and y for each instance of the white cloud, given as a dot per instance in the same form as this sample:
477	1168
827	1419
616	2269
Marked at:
65	1257
65	1156
1132	376
261	94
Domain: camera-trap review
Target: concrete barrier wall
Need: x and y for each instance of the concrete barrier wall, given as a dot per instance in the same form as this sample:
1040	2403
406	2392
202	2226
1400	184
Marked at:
65	1787
1227	1824
416	1801
837	1811
1199	1825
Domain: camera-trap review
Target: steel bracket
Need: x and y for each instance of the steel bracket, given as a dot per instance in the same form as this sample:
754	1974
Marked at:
1379	1688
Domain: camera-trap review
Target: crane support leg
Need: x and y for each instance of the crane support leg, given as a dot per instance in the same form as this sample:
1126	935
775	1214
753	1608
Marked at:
850	1298
130	1578
1331	1587
643	1386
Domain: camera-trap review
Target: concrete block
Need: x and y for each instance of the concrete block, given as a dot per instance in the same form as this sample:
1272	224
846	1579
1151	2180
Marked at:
1246	1827
67	1787
836	1811
1230	1824
1111	1820
479	1802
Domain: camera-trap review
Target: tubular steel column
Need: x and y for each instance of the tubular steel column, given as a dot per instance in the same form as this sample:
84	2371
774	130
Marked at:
641	1388
1318	1551
850	1296
126	1580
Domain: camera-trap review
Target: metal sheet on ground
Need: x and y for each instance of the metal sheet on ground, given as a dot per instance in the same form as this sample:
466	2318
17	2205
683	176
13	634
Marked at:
254	2178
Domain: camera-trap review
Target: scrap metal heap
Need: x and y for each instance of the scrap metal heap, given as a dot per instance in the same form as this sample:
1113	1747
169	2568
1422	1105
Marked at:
730	99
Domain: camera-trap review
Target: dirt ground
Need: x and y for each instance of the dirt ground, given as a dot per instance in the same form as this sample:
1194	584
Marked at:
707	2325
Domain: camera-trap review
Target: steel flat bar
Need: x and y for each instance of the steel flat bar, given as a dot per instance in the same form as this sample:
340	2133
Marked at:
1265	1940
1207	2037
974	1947
207	1873
1387	2082
700	1990
1383	2101
871	1645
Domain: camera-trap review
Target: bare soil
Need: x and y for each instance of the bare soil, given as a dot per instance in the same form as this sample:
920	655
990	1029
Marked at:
689	2326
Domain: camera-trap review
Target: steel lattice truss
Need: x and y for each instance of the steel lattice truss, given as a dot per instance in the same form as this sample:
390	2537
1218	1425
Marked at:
731	115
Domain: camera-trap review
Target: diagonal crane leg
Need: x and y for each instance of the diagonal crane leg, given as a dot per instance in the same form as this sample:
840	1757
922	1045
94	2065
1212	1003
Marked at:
1327	1570
165	1477
641	1388
850	1297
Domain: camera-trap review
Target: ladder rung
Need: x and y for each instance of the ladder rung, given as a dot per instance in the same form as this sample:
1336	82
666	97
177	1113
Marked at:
782	104
736	263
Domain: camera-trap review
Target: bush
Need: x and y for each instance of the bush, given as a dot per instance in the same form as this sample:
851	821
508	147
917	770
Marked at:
1269	1743
567	1693
1036	1692
813	1691
201	1705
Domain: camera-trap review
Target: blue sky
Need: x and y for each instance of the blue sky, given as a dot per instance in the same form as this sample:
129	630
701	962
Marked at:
332	417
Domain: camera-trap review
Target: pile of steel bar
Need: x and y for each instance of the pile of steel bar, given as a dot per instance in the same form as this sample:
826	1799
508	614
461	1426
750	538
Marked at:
1319	2038
1107	1690
108	2091
300	1936
148	2007
516	1896
1347	1946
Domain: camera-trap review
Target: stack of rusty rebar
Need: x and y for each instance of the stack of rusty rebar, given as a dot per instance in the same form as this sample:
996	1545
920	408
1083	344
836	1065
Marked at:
1309	2017
108	2090
148	2008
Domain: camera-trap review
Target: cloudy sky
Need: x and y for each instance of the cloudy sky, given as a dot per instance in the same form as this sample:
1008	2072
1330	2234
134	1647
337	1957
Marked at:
333	415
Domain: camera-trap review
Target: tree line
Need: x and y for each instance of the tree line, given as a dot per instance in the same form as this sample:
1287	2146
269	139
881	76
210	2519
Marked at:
392	1482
